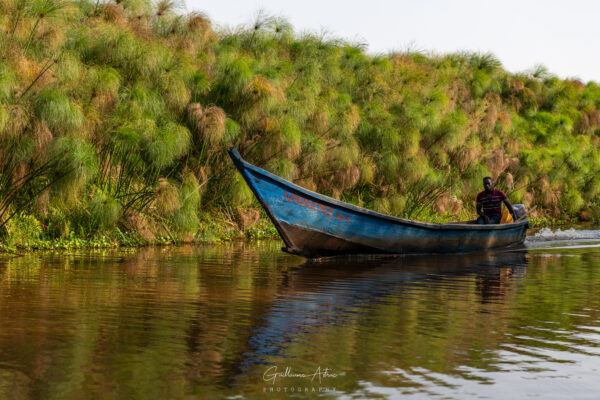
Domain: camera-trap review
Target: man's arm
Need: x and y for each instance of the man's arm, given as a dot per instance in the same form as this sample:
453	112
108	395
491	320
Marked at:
510	209
479	208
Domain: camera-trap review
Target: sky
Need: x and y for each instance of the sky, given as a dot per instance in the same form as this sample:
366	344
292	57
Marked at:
561	35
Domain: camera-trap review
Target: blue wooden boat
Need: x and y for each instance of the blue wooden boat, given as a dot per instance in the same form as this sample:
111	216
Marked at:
314	225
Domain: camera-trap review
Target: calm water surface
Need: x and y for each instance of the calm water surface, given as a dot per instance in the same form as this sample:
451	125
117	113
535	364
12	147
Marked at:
248	321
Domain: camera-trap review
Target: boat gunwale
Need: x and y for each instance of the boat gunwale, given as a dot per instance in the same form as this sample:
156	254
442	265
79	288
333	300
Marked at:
326	199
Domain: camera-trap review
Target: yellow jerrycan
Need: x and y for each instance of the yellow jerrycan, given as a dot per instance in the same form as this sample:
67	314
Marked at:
506	218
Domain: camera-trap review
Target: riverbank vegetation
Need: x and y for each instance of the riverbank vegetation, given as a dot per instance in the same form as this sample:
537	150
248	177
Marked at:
115	118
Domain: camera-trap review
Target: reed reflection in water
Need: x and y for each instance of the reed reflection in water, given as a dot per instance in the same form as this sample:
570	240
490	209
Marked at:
213	321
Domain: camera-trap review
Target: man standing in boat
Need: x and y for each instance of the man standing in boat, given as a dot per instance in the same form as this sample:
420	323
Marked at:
489	204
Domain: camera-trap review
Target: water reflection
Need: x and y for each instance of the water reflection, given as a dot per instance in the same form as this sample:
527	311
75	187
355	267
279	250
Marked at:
320	298
209	321
330	293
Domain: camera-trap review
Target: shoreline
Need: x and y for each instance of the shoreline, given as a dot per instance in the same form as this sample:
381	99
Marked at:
212	232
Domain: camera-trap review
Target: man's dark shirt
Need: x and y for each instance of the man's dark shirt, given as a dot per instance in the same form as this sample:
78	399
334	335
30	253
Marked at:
492	202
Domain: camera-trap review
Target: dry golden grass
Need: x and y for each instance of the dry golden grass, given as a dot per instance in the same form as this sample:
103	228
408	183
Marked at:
496	163
195	112
547	194
268	125
42	136
52	36
513	164
259	88
442	204
488	122
18	173
516	84
167	198
529	98
212	124
504	119
493	98
576	83
140	25
246	217
306	183
509	180
584	122
17	122
368	169
353	117
447	203
594	117
346	178
136	222
270	144
512	146
202	176
199	23
25	69
292	151
104	101
468	155
208	124
319	121
456	205
528	199
114	13
515	103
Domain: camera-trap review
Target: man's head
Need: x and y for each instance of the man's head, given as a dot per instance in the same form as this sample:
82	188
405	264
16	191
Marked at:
488	185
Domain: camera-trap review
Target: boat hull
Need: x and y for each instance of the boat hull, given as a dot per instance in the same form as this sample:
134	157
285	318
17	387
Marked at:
314	225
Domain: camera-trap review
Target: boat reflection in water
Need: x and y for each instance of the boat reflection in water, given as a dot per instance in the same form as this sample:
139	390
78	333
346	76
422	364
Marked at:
338	292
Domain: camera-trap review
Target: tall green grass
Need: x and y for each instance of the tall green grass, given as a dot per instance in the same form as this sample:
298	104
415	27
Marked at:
122	111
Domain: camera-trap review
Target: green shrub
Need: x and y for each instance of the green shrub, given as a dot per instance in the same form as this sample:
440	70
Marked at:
62	115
